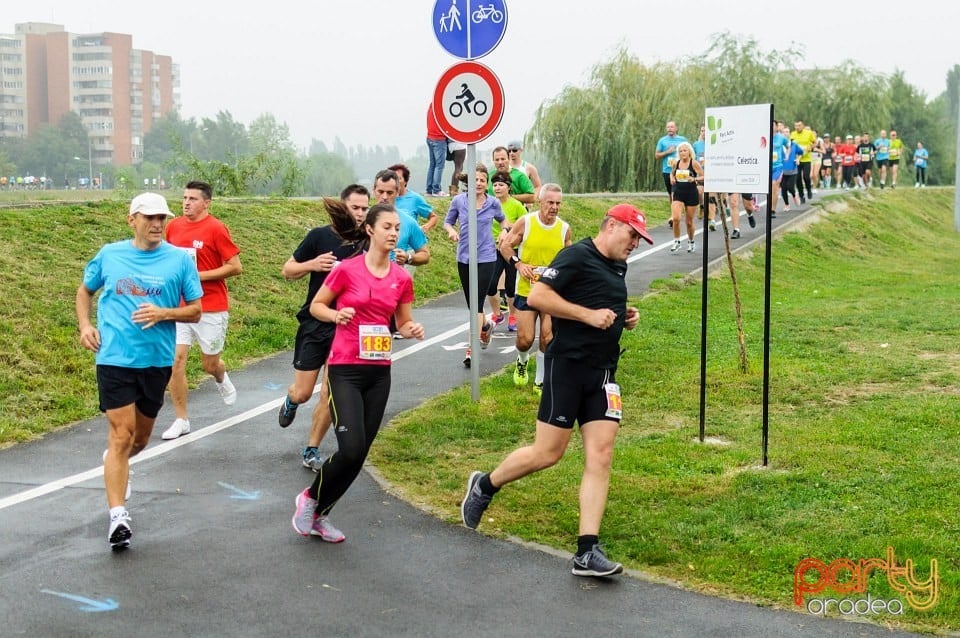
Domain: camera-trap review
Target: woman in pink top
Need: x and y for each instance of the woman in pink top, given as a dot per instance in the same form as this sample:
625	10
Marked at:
360	296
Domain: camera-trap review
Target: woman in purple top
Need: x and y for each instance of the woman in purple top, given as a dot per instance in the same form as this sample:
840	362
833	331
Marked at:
488	209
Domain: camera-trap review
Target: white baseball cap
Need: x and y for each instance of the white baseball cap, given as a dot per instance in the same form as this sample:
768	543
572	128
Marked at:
150	204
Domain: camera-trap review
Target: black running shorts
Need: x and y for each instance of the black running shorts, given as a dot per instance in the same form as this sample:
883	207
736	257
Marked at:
143	387
573	391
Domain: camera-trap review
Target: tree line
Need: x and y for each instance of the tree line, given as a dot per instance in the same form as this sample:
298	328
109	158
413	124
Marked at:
237	159
601	137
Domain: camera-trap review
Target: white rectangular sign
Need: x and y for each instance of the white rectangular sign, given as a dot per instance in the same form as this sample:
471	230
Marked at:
737	149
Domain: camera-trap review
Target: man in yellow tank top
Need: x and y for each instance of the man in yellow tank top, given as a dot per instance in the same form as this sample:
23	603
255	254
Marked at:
896	150
806	138
530	246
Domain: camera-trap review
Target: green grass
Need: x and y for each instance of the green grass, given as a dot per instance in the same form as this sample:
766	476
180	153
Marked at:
864	445
45	244
863	413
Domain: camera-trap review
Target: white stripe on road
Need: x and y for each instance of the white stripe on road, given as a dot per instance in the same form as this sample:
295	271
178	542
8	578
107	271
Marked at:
210	430
666	244
196	435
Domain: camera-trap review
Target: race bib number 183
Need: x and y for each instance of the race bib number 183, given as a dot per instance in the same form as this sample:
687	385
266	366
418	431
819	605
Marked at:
376	343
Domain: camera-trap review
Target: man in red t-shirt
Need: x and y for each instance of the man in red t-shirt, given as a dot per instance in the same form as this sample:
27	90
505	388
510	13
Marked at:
437	151
207	239
847	152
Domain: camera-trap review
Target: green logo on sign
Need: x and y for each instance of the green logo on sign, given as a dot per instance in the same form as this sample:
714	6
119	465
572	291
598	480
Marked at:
713	126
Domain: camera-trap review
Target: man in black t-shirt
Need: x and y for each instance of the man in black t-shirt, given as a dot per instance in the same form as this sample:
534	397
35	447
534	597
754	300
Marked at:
585	291
865	153
319	253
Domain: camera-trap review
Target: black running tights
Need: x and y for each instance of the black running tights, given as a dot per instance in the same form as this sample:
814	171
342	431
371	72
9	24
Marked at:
358	398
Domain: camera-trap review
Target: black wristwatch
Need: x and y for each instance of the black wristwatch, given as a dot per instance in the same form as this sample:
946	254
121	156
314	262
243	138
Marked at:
514	260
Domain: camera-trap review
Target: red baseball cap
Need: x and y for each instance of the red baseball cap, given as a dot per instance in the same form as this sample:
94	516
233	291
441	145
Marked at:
633	217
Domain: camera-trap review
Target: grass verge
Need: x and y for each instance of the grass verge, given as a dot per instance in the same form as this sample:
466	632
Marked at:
46	378
864	440
865	380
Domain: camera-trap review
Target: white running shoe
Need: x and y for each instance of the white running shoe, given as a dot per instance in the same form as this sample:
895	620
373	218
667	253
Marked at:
306	514
676	246
323	528
691	246
179	428
119	534
126	496
485	333
227	392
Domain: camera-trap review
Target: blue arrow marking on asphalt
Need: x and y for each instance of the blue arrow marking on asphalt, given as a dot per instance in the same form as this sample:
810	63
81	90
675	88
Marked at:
89	604
272	386
239	494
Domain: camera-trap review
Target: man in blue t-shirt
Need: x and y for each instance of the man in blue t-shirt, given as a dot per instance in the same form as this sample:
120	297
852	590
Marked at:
779	144
144	281
667	152
882	145
411	249
920	158
410	202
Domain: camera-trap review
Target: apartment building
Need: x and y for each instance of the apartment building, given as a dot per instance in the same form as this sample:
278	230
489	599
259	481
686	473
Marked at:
118	91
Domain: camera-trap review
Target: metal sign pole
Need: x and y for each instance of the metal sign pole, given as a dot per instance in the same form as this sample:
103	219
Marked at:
469	35
738	152
473	287
703	311
956	179
765	436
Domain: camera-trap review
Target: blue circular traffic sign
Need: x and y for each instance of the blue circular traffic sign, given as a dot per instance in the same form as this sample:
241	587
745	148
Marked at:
469	29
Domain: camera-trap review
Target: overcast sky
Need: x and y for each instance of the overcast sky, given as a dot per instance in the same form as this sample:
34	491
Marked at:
366	69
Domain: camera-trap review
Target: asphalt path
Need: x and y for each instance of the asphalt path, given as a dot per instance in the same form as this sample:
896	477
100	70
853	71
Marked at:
214	554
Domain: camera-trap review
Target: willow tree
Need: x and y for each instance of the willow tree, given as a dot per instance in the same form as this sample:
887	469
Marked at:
602	137
737	71
845	99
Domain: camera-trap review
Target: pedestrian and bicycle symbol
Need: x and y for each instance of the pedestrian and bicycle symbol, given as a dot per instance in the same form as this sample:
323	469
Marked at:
487	11
469	29
450	21
468	102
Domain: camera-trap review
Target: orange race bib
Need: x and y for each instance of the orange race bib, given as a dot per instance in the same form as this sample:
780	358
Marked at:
376	343
614	402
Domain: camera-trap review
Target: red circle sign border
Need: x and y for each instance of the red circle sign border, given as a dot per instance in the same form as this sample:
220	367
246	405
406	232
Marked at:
496	109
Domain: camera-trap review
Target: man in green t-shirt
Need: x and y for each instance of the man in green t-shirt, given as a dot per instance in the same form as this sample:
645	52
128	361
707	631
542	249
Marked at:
521	187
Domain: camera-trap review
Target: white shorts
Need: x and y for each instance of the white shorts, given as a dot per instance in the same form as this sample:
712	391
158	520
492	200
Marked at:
210	332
